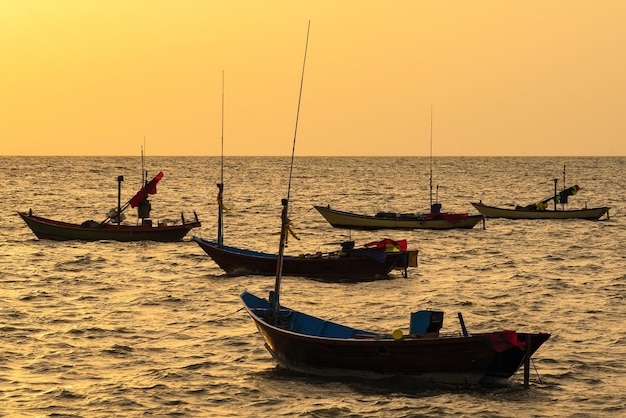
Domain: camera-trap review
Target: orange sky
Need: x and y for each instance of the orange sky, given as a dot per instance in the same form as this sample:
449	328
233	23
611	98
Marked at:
520	77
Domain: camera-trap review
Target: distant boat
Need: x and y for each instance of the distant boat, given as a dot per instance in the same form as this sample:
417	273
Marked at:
392	220
307	344
540	210
520	213
372	262
435	219
92	230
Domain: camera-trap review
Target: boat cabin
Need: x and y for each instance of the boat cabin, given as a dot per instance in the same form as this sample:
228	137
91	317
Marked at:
423	322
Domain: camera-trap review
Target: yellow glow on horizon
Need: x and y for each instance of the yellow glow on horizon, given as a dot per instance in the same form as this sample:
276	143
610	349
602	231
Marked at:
504	78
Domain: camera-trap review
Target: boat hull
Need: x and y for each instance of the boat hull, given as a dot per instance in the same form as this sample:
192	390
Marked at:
495	212
341	219
327	267
62	231
311	345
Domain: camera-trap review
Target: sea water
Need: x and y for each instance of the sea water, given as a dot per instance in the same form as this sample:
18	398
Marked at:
100	329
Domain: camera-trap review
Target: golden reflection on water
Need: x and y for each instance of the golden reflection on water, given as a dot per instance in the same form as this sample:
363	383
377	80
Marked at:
101	329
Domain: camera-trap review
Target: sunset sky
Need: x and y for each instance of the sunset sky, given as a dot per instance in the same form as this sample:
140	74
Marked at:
511	78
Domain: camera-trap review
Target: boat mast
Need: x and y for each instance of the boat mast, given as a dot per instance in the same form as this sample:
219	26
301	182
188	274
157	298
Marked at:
555	194
274	298
220	185
118	216
431	157
564	186
434	207
144	175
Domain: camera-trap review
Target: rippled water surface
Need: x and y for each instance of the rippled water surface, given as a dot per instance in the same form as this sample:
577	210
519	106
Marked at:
129	329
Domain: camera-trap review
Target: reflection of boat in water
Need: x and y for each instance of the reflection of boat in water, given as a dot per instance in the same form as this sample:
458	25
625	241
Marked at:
541	210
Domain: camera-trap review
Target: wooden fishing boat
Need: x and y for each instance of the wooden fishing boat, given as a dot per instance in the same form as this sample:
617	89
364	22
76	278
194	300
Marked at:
521	213
372	262
540	209
392	220
112	228
435	219
95	231
307	344
311	345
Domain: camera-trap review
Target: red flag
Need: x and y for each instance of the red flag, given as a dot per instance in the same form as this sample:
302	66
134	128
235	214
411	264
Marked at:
503	340
389	244
150	188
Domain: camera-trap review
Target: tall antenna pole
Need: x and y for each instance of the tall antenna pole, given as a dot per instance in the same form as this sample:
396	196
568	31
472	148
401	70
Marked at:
555	194
431	156
275	297
222	175
143	169
293	149
220	185
564	186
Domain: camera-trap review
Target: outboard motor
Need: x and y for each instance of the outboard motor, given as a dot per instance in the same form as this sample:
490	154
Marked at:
347	245
426	321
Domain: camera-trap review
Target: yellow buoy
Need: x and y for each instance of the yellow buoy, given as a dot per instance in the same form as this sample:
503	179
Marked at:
397	334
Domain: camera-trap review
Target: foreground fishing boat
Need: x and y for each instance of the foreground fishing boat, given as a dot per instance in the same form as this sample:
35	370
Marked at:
112	227
392	220
311	345
307	344
94	231
372	262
